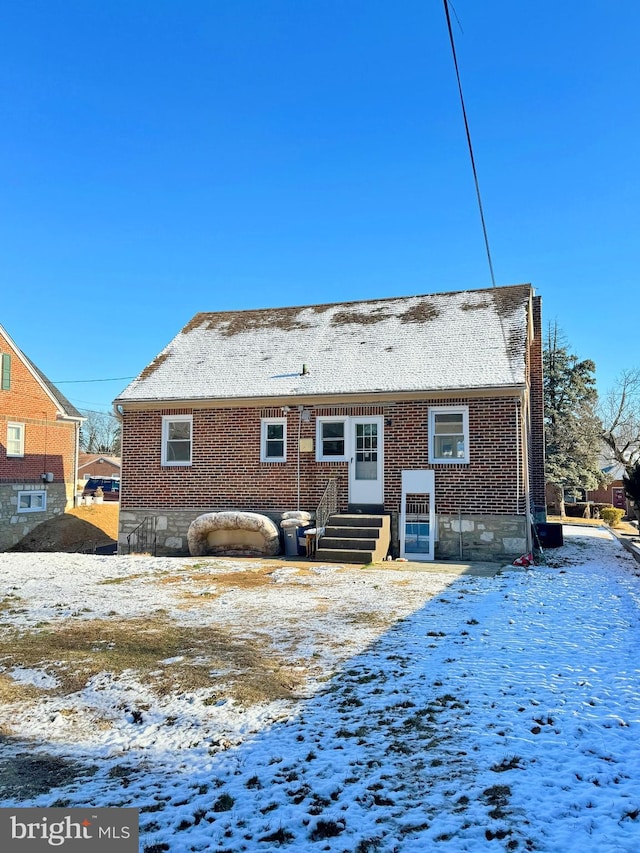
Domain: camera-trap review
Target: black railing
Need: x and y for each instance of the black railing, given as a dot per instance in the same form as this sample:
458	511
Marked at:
142	540
327	507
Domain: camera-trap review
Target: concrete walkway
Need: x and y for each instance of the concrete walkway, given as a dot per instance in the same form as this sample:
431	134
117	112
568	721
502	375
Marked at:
477	569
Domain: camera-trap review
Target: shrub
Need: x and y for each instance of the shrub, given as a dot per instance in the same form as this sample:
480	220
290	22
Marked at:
579	510
611	515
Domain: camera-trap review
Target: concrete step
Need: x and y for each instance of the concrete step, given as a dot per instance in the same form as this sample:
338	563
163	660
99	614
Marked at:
344	555
342	531
355	538
350	543
357	520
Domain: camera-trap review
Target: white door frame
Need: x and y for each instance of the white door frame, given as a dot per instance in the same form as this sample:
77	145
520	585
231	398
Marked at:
419	482
367	491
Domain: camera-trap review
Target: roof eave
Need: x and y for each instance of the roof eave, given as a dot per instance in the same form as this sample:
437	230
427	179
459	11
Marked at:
371	397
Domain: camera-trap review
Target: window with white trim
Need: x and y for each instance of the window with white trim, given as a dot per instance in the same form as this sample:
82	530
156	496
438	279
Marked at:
449	434
32	501
15	439
331	439
177	440
273	441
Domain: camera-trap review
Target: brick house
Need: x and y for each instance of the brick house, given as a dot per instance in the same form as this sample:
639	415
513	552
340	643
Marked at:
427	410
39	432
98	465
612	493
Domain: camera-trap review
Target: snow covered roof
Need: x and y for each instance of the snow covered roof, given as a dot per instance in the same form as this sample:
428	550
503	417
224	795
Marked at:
471	339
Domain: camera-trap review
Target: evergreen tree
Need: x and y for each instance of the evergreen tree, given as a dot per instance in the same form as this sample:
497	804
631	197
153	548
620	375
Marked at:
572	427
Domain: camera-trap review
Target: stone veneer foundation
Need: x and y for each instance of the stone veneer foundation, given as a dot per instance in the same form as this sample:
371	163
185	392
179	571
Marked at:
16	525
499	538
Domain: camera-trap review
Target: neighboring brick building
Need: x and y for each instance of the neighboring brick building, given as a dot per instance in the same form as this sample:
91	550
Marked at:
39	431
614	492
98	465
258	410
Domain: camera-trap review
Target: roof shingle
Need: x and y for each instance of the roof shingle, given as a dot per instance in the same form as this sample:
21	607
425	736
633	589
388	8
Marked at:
470	339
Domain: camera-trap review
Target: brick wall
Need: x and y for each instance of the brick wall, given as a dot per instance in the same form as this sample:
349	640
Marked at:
226	471
99	469
536	446
49	443
49	447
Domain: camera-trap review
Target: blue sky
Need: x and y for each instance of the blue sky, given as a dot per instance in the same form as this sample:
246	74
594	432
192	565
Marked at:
163	158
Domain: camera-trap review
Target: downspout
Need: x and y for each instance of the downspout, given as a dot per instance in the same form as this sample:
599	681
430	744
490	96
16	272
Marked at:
76	461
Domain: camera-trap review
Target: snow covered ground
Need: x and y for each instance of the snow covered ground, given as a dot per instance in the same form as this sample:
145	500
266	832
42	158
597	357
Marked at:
389	711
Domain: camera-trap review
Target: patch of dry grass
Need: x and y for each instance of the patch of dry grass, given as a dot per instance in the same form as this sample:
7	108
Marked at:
103	516
249	579
622	527
209	658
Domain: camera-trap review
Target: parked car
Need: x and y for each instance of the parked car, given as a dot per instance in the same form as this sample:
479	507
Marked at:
109	486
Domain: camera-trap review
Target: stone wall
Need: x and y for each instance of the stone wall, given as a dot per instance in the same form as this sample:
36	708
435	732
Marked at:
499	538
481	537
171	528
15	525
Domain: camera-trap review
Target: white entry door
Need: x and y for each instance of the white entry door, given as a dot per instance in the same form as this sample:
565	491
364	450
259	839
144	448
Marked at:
365	466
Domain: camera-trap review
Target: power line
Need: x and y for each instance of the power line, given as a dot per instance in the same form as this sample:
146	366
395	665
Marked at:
466	126
83	381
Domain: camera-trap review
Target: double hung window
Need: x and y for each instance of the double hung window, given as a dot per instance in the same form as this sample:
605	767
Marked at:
15	439
331	440
449	434
273	443
177	439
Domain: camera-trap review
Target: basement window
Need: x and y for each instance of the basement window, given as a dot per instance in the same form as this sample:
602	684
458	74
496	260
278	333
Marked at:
32	501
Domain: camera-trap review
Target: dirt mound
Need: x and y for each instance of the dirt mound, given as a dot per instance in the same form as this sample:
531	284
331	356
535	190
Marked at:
80	529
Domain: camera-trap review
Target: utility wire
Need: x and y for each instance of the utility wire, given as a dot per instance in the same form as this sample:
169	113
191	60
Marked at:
86	381
466	126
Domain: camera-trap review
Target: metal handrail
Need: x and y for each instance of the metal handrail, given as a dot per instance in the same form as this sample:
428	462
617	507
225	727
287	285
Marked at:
328	506
144	536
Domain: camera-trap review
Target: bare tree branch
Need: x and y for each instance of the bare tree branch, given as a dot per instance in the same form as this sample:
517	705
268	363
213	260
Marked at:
620	414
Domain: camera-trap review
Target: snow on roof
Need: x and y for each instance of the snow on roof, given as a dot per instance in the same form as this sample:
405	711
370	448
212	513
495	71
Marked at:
470	339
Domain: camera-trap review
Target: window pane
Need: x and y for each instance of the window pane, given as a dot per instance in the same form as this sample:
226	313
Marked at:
448	423
179	430
366	469
333	429
178	451
449	446
416	537
333	448
275	431
275	449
